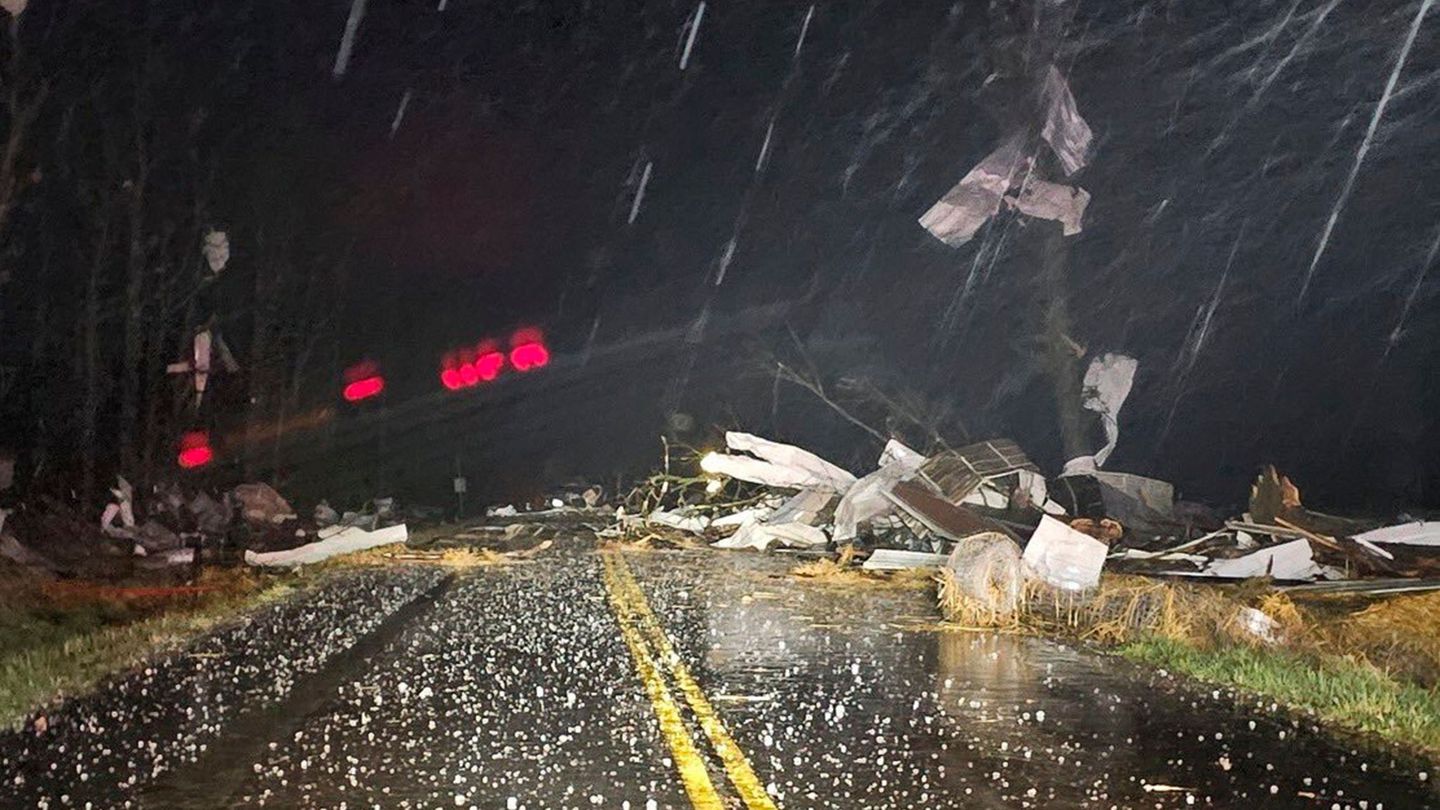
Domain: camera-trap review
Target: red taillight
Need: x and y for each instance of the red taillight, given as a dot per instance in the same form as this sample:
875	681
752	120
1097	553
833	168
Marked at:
450	378
468	374
364	388
195	450
529	356
488	365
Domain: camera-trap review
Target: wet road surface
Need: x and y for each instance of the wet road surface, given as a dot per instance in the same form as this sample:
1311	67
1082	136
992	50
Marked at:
698	679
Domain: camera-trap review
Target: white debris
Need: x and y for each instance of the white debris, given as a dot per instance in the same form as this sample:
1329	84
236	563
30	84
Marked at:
1292	561
1066	132
1054	201
762	536
777	465
894	559
333	540
695	524
865	500
1408	534
977	197
1107	385
1259	624
1064	557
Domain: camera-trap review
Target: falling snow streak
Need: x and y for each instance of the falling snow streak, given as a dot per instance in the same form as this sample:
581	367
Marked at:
1296	49
640	192
804	27
1202	329
400	112
1364	146
765	146
694	29
1399	330
742	216
347	42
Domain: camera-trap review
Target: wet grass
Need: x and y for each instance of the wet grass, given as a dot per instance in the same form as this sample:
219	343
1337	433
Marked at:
59	639
1348	694
1369	666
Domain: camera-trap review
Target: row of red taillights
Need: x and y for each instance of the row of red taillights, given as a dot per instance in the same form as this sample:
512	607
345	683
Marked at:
462	368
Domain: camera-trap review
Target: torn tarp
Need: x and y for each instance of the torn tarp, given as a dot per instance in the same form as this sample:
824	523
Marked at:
977	197
333	540
775	465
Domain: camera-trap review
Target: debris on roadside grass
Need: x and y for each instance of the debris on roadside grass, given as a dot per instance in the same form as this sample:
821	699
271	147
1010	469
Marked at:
334	540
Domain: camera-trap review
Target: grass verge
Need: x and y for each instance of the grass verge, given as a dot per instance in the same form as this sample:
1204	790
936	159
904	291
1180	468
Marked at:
1346	694
60	641
1365	666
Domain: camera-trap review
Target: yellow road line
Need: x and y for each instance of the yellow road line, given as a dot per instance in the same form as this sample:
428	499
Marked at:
737	767
688	761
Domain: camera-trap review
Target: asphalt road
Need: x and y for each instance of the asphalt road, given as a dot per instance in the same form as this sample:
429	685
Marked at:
701	679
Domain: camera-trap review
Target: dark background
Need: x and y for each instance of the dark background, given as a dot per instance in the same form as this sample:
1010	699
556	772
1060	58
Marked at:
503	195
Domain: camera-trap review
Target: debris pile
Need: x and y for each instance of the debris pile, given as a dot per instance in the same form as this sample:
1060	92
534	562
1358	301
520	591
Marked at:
989	515
175	527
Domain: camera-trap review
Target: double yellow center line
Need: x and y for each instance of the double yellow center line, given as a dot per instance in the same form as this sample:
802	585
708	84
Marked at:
654	659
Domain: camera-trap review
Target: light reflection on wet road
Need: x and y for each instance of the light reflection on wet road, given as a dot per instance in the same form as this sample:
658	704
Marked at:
515	689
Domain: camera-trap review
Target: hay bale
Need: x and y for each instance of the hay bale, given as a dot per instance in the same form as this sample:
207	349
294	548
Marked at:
983	581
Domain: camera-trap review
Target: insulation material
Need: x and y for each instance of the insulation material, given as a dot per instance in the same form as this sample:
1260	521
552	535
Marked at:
805	507
866	500
762	536
1064	557
1066	132
775	465
334	540
956	217
695	524
1054	201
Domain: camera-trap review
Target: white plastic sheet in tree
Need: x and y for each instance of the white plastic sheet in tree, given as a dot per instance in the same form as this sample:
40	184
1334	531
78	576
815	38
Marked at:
1054	201
977	197
1066	132
1107	385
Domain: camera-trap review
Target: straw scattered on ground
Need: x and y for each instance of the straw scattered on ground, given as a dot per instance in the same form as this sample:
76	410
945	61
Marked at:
844	571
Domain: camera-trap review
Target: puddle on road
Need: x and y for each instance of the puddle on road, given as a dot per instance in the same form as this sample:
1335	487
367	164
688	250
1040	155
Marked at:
842	703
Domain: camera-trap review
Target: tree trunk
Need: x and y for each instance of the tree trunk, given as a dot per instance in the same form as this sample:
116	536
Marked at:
1062	362
132	363
90	346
